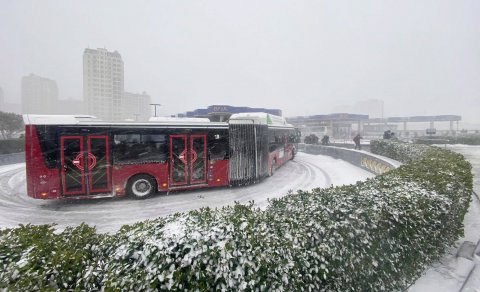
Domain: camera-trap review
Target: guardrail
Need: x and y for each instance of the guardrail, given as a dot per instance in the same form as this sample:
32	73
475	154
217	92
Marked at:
370	162
12	158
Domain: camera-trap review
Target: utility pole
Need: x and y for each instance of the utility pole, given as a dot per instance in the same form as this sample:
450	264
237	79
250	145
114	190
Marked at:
155	105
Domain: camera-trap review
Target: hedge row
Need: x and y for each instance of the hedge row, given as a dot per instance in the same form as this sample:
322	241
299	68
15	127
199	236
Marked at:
12	146
375	235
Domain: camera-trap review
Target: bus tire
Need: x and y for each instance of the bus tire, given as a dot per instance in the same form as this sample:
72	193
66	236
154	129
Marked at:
141	186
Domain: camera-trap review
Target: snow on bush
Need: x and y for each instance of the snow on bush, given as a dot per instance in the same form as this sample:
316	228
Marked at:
375	235
403	152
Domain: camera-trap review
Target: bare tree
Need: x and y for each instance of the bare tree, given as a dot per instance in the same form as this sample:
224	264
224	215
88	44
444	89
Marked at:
9	124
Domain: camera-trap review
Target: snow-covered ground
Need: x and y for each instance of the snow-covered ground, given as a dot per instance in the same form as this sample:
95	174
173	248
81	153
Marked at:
305	172
450	272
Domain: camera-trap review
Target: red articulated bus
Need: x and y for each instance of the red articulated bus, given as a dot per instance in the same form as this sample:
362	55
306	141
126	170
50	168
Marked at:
82	157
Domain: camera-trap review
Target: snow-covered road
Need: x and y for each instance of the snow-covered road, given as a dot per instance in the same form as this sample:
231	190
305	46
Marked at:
305	172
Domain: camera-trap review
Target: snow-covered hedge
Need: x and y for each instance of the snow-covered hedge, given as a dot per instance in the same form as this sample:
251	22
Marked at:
375	235
403	152
467	139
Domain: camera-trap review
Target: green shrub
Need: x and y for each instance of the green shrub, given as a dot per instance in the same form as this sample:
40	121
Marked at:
376	235
36	258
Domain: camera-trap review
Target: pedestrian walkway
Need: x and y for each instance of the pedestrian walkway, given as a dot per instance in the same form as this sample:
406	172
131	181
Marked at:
459	268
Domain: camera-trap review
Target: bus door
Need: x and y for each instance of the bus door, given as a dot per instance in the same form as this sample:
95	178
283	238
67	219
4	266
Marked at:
188	160
85	164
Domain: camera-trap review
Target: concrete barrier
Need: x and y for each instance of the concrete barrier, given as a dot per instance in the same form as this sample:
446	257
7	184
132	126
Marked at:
373	163
12	158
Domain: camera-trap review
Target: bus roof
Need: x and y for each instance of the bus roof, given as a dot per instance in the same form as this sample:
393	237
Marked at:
29	119
175	119
85	120
260	118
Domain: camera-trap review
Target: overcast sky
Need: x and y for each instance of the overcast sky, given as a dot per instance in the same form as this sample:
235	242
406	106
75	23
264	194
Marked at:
304	57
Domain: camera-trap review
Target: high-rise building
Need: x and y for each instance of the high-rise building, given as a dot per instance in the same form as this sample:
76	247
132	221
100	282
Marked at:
103	83
8	107
136	106
39	95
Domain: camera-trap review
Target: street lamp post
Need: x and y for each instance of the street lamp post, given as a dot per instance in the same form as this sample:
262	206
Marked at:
155	105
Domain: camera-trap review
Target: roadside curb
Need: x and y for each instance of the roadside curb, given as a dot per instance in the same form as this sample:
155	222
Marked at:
373	163
472	281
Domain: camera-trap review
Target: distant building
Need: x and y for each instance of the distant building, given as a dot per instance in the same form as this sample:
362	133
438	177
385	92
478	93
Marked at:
136	106
70	107
338	126
415	125
103	83
8	107
11	108
220	113
39	95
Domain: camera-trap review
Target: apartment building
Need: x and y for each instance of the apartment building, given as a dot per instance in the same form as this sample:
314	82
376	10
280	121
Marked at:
39	95
103	84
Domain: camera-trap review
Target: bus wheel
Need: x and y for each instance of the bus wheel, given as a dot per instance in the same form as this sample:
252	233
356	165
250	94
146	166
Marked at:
141	186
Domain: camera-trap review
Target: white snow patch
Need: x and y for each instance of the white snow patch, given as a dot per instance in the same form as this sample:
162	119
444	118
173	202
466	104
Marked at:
10	167
17	180
174	228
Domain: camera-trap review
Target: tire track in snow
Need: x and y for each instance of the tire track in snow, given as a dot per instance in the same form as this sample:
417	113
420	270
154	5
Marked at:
109	214
328	179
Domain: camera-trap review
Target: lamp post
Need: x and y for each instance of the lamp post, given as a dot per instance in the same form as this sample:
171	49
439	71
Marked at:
155	105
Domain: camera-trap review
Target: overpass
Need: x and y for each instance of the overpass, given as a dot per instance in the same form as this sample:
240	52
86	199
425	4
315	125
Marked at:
344	125
338	125
386	123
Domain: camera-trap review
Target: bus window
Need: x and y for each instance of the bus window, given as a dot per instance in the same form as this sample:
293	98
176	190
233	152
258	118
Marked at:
217	151
217	145
49	145
277	139
139	148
